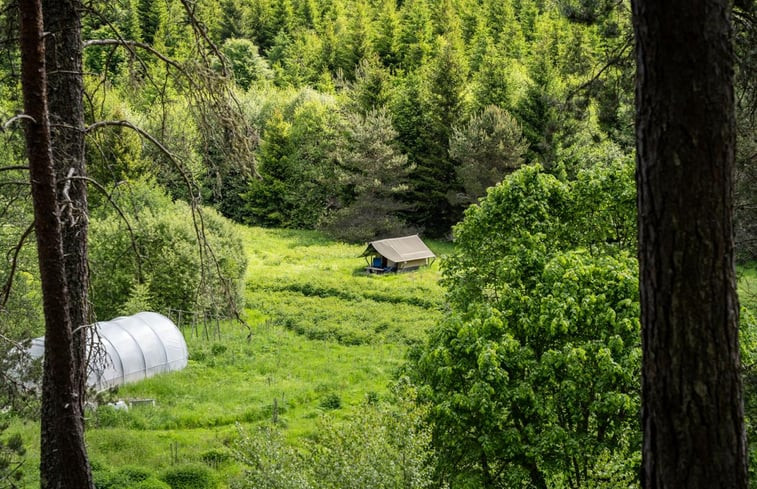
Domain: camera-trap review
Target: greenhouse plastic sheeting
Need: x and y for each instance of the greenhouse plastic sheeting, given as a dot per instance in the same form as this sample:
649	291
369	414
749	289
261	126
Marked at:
135	348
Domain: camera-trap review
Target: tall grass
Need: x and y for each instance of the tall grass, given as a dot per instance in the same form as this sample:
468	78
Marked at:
325	336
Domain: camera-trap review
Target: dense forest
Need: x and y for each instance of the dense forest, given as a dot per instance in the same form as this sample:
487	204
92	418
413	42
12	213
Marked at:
505	126
363	118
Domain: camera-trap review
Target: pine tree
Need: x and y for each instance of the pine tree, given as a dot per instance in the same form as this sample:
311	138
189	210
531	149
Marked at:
445	106
491	84
230	25
371	90
485	149
416	34
374	175
386	33
152	15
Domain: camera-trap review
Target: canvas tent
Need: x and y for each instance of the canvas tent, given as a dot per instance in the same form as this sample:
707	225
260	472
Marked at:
135	348
397	254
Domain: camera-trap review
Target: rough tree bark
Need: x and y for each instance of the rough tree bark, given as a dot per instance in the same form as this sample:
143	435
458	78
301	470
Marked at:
692	412
64	463
65	90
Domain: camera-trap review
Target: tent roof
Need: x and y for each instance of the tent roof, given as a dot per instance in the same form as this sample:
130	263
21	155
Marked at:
400	250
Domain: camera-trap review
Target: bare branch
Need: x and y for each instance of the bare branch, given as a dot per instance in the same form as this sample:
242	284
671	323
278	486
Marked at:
200	30
14	119
12	168
133	44
614	60
19	183
6	290
132	236
171	156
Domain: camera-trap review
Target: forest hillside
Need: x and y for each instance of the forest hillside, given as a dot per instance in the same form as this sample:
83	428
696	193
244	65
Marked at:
239	156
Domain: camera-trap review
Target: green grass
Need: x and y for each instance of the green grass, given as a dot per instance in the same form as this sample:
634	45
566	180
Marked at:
747	274
323	334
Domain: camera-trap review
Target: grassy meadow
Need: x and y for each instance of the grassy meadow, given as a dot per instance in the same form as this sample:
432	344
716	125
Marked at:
325	337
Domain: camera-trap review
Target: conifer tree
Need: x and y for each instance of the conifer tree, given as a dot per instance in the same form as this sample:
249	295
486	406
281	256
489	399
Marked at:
386	31
230	25
152	14
416	34
375	175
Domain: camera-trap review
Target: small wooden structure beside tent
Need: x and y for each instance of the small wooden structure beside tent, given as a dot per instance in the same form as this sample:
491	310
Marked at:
397	254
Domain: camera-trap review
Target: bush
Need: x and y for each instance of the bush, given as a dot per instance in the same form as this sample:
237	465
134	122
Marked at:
151	483
169	271
215	457
189	477
135	474
127	478
331	401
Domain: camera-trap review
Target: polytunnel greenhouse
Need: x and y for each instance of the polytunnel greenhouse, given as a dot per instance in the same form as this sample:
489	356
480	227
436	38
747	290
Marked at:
132	348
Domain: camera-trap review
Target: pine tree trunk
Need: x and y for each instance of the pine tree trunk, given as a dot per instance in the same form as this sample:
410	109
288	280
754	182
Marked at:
692	412
64	463
65	89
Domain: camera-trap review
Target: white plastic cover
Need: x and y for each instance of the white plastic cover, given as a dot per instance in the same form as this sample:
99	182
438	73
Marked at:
136	347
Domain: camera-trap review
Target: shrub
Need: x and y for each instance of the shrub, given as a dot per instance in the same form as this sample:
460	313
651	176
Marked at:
189	477
150	483
331	401
135	474
170	271
109	480
215	457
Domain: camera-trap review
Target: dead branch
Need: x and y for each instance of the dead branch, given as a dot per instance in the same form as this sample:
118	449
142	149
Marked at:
132	236
14	119
614	60
16	250
202	32
136	44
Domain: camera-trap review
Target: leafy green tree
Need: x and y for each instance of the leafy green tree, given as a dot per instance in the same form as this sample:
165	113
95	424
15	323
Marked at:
379	447
374	176
158	260
544	393
533	379
488	147
295	165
